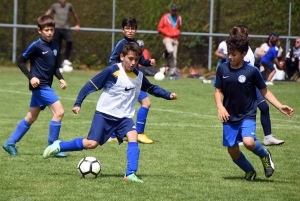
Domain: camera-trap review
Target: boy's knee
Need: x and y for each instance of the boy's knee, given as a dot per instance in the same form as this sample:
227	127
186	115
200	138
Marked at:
90	144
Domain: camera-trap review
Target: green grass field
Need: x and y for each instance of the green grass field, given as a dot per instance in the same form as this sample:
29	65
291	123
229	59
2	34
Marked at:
186	161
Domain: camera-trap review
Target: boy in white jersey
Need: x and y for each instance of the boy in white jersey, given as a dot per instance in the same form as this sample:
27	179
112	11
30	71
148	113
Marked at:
121	84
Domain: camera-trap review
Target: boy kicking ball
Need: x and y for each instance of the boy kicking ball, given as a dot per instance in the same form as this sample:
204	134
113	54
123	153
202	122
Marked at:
121	84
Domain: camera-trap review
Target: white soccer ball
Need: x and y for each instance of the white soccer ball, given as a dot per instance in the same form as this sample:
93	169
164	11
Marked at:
159	76
89	167
67	68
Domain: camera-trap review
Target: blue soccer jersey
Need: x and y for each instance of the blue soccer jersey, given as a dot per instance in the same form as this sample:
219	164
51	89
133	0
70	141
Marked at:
43	61
270	55
115	55
239	90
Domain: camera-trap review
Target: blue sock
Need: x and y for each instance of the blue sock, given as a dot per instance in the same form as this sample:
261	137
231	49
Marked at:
265	117
133	153
141	118
113	135
74	145
19	132
243	163
54	128
259	150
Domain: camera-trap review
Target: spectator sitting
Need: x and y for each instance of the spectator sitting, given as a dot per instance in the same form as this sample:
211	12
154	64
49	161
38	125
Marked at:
221	53
292	62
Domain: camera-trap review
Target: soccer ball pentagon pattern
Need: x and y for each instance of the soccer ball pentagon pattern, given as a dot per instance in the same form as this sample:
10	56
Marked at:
89	167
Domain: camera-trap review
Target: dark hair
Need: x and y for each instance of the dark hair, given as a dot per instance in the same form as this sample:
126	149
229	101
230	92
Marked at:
44	21
240	29
129	22
132	46
273	40
237	42
270	35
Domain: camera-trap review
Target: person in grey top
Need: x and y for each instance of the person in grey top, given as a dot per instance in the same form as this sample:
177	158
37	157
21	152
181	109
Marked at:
61	13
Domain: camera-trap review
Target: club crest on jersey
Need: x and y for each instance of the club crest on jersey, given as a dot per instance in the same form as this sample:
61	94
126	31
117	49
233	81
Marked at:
242	78
55	52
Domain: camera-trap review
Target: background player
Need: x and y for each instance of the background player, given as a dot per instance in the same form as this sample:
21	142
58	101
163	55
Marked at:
43	65
129	28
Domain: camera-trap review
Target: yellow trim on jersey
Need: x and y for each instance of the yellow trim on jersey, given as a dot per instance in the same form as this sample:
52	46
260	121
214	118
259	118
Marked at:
131	75
116	73
94	85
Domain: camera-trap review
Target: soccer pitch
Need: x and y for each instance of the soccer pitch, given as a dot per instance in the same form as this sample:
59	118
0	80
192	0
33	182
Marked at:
186	161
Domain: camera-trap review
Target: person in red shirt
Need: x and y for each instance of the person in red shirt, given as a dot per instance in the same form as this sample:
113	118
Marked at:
169	26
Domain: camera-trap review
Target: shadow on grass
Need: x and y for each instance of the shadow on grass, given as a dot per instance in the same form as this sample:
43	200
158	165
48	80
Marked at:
256	180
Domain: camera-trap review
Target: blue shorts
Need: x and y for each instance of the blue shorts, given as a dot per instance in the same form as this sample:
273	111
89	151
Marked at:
268	65
43	97
234	133
102	128
142	95
259	97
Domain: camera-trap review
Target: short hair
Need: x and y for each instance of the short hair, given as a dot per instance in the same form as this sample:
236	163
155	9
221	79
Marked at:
273	40
240	29
237	42
130	22
44	21
132	46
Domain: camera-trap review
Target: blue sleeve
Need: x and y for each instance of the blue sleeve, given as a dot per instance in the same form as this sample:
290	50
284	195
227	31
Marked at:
143	61
30	52
115	55
154	89
95	84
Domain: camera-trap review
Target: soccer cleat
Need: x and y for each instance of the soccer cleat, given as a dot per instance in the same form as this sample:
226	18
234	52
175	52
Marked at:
112	139
144	139
250	176
268	164
270	140
132	177
10	148
52	150
61	155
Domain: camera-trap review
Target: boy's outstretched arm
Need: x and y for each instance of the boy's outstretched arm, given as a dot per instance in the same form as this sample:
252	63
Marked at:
288	111
156	90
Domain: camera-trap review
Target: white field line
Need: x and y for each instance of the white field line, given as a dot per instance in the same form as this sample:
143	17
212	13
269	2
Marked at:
181	112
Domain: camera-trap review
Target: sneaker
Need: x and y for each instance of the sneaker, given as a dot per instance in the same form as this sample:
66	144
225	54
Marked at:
52	150
268	164
67	68
112	139
270	140
61	70
132	177
250	176
66	62
241	144
144	139
61	155
269	83
10	148
206	81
